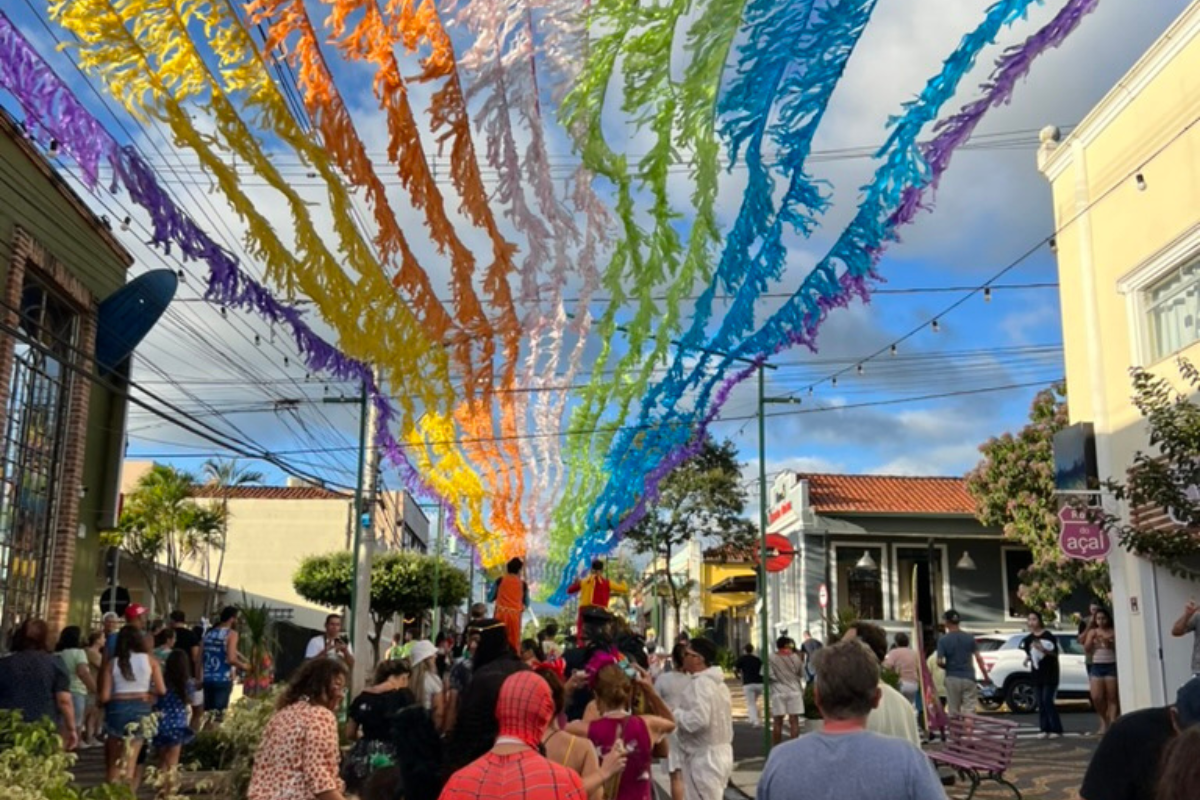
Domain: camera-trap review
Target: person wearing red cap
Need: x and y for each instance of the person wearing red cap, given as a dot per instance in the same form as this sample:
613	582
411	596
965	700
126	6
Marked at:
514	768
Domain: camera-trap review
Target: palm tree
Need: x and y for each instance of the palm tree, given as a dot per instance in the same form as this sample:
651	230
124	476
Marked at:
224	475
158	519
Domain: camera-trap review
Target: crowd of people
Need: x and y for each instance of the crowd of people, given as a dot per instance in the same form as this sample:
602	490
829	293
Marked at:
585	715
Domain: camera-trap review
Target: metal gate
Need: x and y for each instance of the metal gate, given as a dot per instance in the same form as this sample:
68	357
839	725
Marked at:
34	433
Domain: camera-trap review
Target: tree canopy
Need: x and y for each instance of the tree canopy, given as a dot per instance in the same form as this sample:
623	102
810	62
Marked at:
703	498
1013	488
401	583
1166	479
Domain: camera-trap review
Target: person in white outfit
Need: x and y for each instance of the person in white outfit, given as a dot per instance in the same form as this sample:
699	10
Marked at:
671	686
705	725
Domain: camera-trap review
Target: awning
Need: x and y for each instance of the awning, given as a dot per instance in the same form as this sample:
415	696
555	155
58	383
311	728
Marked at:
737	584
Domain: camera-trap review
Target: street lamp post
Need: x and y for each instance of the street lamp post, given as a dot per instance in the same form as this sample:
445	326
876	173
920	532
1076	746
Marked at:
764	624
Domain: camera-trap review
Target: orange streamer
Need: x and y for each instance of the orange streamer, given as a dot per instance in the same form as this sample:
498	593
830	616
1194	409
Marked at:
372	40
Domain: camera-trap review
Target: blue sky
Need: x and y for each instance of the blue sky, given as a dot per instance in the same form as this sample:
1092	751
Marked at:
991	208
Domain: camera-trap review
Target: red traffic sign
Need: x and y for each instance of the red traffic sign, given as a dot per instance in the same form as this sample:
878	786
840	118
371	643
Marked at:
780	552
823	596
1081	538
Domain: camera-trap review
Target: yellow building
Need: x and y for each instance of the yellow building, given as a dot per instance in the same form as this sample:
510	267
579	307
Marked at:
271	530
1126	190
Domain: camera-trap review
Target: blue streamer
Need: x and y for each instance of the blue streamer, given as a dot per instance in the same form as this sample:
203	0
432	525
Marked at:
855	252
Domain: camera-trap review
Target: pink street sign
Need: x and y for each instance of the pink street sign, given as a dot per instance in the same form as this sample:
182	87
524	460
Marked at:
1081	538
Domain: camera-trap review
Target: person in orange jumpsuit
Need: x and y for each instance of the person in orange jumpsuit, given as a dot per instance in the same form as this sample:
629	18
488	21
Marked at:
594	591
511	595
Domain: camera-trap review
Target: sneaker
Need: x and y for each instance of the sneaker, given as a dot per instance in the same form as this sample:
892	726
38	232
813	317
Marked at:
1043	735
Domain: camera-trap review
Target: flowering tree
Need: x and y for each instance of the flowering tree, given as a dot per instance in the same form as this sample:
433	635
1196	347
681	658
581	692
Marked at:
1166	481
1013	488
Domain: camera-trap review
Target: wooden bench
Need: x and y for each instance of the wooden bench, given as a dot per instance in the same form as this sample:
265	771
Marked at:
978	749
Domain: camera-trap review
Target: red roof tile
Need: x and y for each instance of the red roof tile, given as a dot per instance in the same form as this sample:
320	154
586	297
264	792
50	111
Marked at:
269	493
888	494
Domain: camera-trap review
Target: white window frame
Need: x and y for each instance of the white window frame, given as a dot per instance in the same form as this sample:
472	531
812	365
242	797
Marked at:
944	566
1004	551
1137	283
885	572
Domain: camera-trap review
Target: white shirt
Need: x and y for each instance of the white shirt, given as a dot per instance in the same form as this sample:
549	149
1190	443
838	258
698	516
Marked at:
705	713
431	688
319	645
139	665
894	716
671	686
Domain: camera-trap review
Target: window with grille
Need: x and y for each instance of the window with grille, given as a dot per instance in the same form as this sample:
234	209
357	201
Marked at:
1173	311
34	432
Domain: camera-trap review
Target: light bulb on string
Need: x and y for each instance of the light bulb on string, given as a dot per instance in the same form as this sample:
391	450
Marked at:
287	362
53	150
181	275
1140	179
859	369
224	313
1053	244
834	381
257	340
895	350
810	391
987	294
937	326
125	223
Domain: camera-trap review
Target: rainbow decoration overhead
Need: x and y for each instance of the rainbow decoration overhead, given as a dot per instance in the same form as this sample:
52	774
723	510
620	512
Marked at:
467	302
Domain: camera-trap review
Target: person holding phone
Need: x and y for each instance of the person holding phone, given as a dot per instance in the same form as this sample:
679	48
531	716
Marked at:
1187	623
331	644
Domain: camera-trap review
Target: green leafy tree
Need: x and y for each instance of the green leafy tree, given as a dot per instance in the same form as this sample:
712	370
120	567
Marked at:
401	584
223	476
1165	479
1013	488
163	526
703	498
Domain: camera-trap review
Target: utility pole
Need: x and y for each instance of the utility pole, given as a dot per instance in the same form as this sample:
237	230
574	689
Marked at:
764	626
437	569
363	539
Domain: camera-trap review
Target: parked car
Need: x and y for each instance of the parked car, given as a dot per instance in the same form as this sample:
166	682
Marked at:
1011	680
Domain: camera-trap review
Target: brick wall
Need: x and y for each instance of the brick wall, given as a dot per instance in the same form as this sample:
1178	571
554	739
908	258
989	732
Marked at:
29	255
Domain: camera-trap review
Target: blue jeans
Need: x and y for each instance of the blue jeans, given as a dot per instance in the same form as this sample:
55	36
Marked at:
1048	719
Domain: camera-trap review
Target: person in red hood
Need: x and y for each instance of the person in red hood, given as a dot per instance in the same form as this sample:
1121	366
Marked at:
514	768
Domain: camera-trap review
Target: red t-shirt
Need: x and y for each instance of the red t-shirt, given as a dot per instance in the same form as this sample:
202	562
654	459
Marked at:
526	775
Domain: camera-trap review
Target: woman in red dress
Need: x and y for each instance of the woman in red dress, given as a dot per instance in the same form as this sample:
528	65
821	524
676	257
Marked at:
511	595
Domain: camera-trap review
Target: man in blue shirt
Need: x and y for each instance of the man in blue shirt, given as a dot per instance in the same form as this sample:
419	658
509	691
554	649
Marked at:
955	652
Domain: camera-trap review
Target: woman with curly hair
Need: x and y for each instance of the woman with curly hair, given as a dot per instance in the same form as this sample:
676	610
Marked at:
298	756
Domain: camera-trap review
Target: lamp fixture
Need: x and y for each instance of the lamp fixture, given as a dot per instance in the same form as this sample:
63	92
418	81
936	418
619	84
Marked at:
859	369
937	326
1053	244
181	275
53	150
1140	179
833	381
966	563
125	223
987	294
895	350
866	562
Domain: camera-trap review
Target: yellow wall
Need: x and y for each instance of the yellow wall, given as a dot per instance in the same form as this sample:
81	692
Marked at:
1112	236
711	574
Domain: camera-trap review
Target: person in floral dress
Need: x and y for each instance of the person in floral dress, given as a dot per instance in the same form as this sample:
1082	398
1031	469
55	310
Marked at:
298	756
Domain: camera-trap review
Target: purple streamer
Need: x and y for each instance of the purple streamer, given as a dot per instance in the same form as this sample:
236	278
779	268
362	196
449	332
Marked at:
1013	65
50	106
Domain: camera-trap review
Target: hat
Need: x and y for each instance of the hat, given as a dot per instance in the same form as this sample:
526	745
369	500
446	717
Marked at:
421	650
1187	703
952	617
134	611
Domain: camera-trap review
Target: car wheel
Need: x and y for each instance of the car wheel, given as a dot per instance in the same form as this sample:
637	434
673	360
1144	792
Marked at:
1020	696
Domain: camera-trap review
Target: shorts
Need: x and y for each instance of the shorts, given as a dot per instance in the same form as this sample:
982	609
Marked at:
124	718
962	695
79	701
787	703
1102	671
216	696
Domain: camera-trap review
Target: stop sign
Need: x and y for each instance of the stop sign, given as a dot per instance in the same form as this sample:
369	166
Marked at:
1080	538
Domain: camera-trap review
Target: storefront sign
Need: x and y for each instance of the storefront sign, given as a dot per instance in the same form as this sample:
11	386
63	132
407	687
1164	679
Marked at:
1080	538
779	511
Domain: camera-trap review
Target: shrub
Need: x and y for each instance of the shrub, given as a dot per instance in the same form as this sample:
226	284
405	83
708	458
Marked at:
34	766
